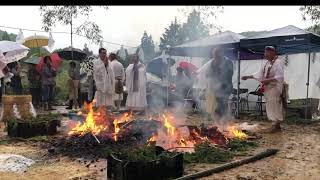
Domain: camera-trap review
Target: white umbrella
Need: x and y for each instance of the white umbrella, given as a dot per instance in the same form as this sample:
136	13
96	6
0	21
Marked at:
2	64
13	51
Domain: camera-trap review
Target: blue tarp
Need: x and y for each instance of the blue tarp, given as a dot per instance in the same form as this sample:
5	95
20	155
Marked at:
287	40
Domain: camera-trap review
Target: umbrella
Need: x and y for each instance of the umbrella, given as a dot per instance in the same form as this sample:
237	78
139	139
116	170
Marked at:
187	65
158	67
2	64
32	60
56	62
78	54
36	41
13	51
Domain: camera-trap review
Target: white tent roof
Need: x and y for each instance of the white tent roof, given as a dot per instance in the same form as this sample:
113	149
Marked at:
226	37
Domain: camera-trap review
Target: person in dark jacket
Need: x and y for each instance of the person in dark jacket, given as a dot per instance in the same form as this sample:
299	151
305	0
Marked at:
74	75
16	79
220	75
48	83
34	79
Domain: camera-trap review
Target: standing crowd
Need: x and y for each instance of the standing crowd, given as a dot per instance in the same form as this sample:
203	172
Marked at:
104	85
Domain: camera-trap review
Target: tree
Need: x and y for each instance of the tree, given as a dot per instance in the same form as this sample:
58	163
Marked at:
5	36
147	46
194	28
312	12
314	29
172	35
66	15
208	14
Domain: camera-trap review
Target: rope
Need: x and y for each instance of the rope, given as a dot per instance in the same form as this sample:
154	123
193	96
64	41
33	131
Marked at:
64	33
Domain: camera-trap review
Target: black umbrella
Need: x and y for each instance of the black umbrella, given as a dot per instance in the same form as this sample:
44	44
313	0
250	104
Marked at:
78	54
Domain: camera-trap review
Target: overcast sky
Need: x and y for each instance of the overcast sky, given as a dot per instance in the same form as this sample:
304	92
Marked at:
126	24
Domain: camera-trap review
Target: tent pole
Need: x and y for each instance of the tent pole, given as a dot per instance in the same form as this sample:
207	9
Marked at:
308	80
238	87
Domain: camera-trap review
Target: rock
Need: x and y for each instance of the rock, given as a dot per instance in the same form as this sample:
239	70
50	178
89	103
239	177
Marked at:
243	177
51	150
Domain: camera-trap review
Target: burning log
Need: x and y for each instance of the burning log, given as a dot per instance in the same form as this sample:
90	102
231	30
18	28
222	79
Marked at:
264	154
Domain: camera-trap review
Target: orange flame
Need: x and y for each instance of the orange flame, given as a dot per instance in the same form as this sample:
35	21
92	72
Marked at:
125	118
89	124
236	133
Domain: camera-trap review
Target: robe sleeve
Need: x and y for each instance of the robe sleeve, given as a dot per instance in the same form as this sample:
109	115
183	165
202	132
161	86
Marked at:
98	78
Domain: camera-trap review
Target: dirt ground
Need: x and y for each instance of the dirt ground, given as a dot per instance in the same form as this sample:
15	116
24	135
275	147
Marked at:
298	158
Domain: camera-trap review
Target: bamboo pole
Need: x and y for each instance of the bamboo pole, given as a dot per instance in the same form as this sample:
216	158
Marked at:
261	155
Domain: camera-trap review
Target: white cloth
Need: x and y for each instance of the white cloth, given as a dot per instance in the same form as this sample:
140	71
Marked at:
118	71
136	100
273	90
104	79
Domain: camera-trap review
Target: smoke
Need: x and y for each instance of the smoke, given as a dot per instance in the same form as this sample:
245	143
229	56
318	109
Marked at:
212	87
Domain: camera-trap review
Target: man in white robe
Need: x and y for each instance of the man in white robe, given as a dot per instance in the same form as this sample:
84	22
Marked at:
271	76
104	79
136	83
119	75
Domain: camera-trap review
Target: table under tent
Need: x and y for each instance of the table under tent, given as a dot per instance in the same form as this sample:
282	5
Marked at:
227	40
299	51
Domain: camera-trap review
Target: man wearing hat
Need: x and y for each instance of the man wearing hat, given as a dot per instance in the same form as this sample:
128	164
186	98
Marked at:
271	77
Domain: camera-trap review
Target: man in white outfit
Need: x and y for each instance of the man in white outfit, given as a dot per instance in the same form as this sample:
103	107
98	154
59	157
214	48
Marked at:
271	76
119	75
104	78
136	82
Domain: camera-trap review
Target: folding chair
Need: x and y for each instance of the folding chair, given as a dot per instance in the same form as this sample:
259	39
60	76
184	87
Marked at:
259	102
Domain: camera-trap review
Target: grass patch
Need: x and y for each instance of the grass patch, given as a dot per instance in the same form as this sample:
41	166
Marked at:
206	153
237	145
4	142
38	138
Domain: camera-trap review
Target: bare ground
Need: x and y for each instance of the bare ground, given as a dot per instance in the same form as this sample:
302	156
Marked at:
298	158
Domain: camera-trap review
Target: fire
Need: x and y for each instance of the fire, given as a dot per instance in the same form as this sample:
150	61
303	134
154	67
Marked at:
170	128
89	125
236	133
127	117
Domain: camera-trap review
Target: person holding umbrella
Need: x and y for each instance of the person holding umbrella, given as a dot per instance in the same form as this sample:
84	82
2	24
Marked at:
48	75
16	79
34	79
74	75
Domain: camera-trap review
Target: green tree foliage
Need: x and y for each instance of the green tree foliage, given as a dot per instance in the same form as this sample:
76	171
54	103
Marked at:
194	28
5	36
314	29
208	14
66	15
312	13
172	35
147	46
